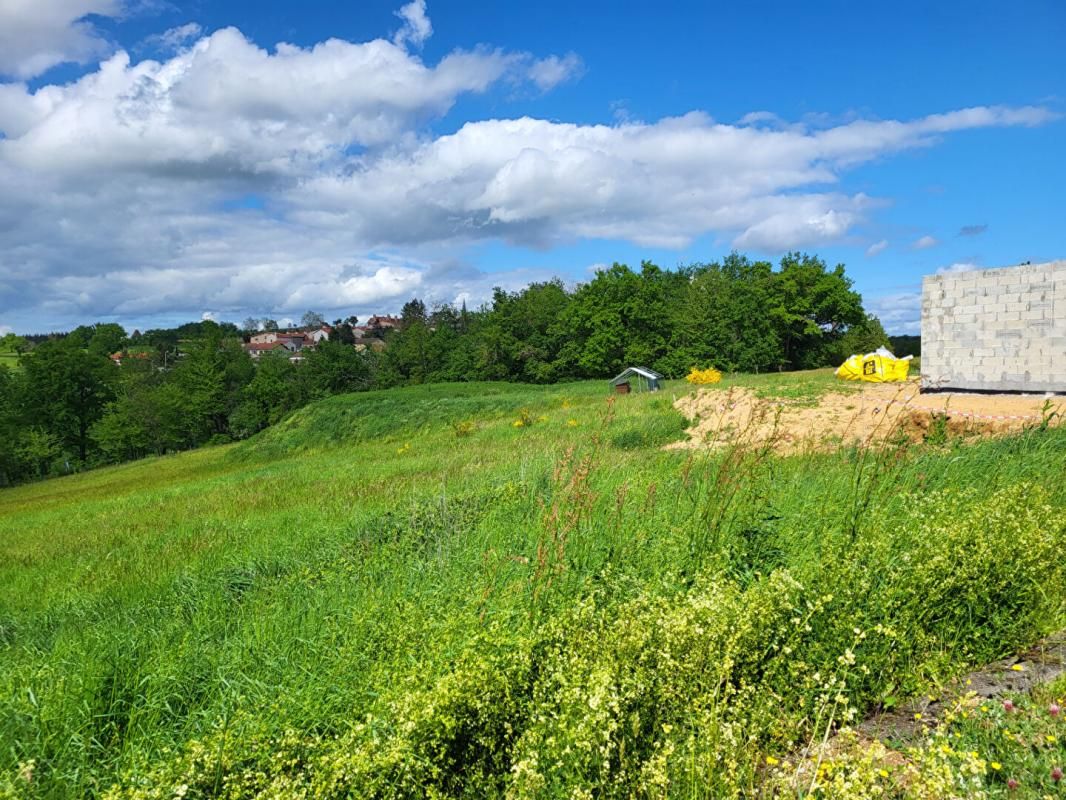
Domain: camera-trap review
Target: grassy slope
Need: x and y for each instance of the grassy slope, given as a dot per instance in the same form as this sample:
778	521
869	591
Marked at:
351	561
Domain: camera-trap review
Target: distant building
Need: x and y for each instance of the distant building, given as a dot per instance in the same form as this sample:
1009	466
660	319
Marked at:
256	349
118	358
644	378
383	322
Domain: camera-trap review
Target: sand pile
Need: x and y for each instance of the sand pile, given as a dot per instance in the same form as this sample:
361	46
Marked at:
864	415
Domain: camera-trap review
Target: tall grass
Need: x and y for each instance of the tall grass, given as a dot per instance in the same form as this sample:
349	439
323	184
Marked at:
366	602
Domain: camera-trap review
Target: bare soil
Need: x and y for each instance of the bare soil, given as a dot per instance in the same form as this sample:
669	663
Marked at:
865	414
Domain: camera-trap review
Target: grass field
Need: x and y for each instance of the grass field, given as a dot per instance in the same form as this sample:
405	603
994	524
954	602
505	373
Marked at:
491	590
9	360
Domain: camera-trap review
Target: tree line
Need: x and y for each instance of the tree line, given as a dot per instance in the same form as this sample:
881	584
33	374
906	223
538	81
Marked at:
69	407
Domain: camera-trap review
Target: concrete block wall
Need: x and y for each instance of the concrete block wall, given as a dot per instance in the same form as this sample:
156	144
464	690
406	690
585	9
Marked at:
995	329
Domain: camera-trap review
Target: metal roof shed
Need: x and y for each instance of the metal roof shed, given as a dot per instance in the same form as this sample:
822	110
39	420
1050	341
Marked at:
647	379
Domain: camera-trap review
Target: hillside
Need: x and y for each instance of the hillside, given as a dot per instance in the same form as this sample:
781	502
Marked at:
487	589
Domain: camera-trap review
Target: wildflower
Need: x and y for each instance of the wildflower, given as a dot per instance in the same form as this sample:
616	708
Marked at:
26	770
1051	738
518	423
995	765
571	423
1018	668
703	376
1012	784
917	715
883	773
770	760
1056	774
1008	706
1053	709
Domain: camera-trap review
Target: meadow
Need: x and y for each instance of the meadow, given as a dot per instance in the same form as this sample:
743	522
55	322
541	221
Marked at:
501	590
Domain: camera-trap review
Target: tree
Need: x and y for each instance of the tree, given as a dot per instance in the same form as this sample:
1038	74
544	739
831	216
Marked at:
66	389
269	325
38	448
333	368
312	319
10	343
813	307
201	376
10	425
107	338
596	324
250	324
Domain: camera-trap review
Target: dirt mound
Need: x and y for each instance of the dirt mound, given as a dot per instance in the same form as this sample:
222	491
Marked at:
864	415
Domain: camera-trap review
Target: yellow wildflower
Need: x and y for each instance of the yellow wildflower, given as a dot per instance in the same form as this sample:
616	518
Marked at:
703	376
995	765
772	761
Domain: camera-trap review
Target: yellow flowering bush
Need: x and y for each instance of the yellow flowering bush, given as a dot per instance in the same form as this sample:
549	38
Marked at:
701	377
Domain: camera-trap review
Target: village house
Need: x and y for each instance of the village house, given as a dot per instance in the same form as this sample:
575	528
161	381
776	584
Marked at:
292	341
256	349
118	358
383	322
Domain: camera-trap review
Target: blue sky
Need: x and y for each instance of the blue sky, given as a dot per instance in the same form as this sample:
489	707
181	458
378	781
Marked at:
164	161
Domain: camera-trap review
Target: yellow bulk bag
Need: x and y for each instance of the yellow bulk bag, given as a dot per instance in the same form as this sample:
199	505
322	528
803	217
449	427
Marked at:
879	366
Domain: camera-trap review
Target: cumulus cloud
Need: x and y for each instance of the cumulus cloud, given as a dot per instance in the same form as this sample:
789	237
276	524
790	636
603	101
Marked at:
972	230
924	243
662	184
36	35
900	313
226	109
416	25
547	73
122	189
174	38
877	247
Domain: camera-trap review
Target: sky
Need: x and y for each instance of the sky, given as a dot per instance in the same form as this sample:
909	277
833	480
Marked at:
169	160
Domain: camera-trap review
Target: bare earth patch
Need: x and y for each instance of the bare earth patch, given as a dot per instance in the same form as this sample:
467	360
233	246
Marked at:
864	414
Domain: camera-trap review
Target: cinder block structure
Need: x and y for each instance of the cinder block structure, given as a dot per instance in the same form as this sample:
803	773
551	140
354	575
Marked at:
995	330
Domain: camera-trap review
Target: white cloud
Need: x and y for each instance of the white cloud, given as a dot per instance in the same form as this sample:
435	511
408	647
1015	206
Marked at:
925	242
547	73
212	316
237	179
899	313
226	109
661	184
36	35
416	25
959	266
175	37
6	329
877	247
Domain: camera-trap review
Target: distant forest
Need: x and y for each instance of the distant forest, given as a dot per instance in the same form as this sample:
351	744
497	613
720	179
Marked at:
68	406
